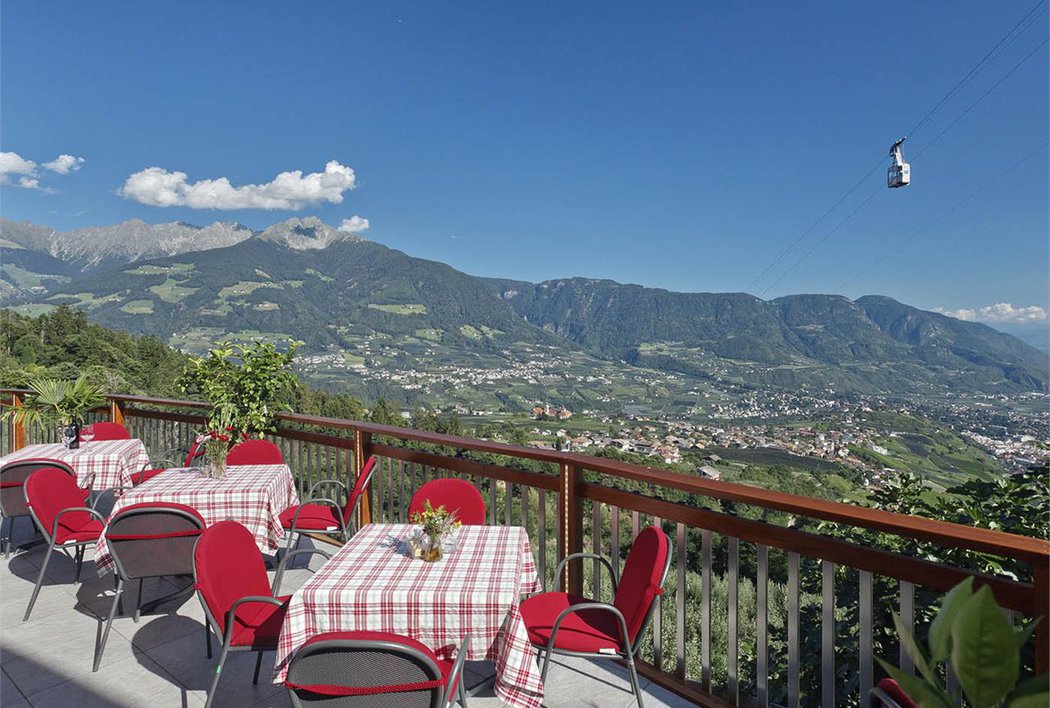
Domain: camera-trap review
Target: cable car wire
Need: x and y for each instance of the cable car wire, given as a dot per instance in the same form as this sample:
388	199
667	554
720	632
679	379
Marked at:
943	215
1007	39
1003	42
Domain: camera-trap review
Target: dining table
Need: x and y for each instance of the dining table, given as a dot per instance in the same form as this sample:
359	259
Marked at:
104	464
252	495
375	583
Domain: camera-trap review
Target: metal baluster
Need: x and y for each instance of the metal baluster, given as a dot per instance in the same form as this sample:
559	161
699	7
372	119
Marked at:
403	506
865	611
508	503
908	619
526	499
733	644
658	615
541	523
596	547
762	627
614	525
705	612
680	561
793	647
635	525
827	641
493	489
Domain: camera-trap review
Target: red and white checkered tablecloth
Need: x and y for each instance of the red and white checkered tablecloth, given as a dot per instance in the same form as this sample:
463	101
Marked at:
113	462
253	495
371	584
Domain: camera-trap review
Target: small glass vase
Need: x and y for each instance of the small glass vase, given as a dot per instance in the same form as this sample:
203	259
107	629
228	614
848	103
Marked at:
215	467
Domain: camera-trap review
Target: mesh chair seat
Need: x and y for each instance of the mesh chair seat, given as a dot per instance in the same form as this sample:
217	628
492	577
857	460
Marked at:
313	517
592	631
258	624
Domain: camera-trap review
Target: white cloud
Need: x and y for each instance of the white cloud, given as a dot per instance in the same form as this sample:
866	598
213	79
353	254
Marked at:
64	164
354	225
293	190
13	165
999	312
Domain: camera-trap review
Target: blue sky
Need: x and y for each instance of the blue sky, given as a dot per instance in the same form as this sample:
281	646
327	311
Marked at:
681	146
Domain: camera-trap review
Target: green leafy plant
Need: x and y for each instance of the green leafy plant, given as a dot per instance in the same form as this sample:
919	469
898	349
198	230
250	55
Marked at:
972	635
244	384
57	401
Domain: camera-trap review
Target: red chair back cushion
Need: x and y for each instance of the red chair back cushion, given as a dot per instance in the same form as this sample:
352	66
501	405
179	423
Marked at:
456	495
50	490
359	488
255	452
228	566
107	431
641	580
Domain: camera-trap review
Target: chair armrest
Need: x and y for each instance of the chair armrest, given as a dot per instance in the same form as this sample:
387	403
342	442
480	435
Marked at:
880	697
89	510
166	463
604	607
284	562
605	561
455	674
231	615
325	483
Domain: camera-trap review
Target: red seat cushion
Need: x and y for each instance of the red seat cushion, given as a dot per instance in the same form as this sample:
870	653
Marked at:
83	528
587	631
258	624
314	517
894	691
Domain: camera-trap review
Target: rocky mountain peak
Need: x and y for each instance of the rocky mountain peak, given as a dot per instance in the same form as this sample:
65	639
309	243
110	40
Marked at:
304	234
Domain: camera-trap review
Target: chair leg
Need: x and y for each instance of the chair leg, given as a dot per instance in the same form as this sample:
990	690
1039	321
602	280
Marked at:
5	541
138	602
218	673
109	623
80	562
546	665
120	596
258	663
634	680
39	581
207	637
462	693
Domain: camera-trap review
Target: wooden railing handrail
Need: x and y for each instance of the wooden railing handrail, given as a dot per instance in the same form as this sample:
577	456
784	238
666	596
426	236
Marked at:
1024	548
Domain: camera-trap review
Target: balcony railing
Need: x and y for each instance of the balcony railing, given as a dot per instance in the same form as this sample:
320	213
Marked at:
754	612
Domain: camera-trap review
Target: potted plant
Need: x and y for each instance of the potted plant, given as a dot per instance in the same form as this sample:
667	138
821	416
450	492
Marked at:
58	402
436	525
972	635
244	383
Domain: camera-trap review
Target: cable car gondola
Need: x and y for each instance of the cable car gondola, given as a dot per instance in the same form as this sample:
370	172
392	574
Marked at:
899	173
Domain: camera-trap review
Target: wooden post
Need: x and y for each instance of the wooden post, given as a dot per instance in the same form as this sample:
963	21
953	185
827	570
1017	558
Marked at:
116	411
362	451
18	430
571	522
1041	577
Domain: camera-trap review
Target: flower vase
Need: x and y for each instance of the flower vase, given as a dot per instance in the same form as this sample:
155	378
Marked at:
215	466
433	552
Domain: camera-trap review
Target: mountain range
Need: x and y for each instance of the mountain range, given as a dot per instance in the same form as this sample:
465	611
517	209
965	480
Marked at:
338	292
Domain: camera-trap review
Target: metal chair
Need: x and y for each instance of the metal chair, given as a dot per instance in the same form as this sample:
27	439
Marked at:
149	540
168	461
239	604
455	495
255	452
324	514
57	507
13	477
373	670
561	623
106	430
